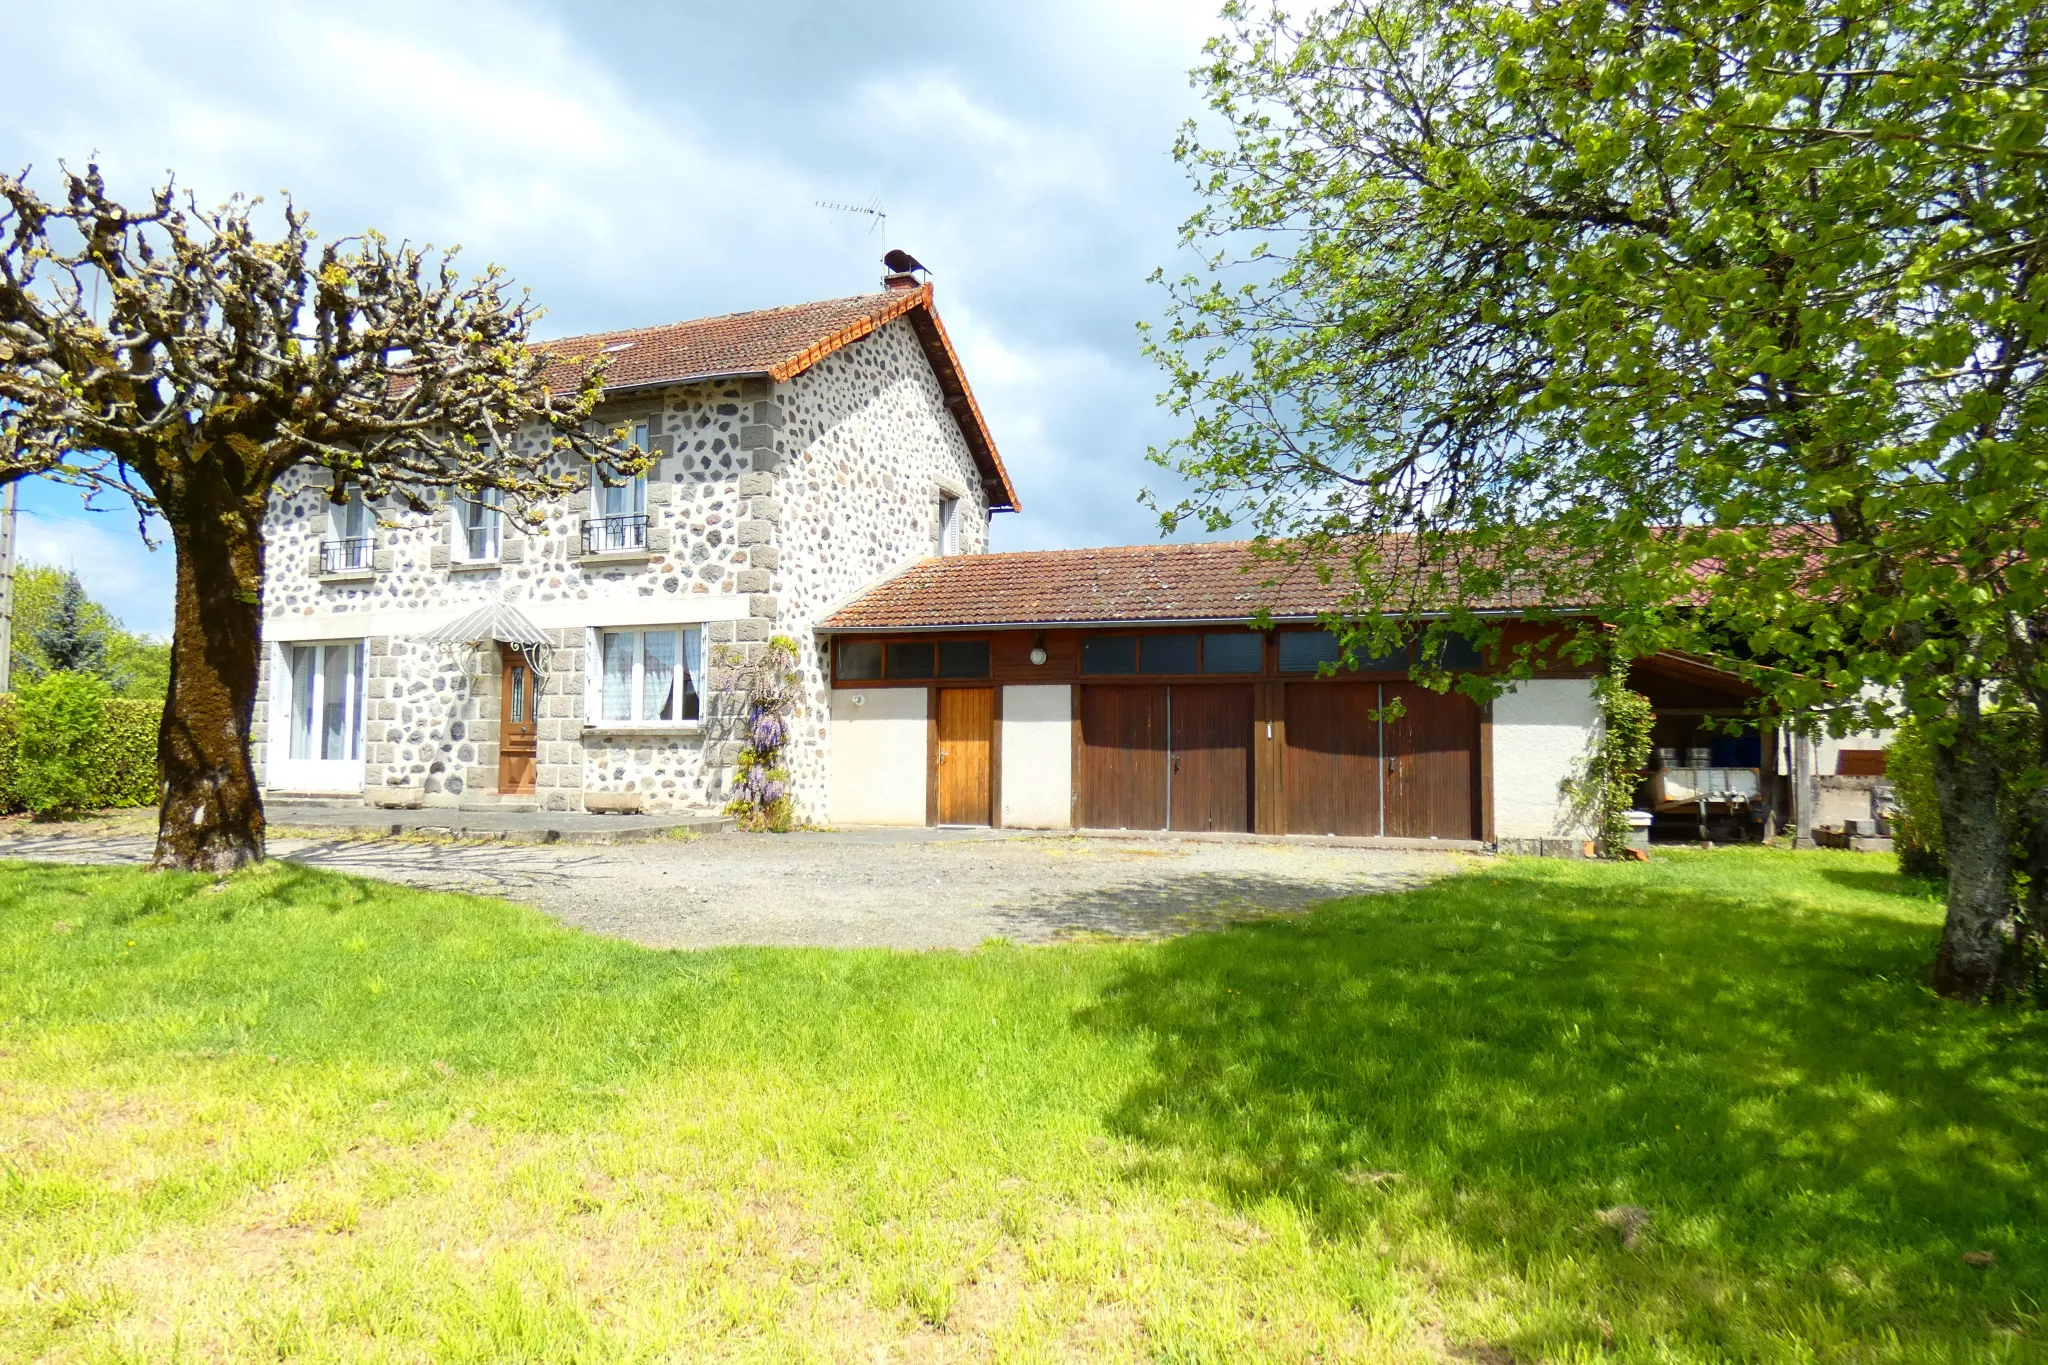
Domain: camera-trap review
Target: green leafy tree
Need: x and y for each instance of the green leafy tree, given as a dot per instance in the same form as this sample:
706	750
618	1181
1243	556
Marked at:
1720	322
134	665
72	637
177	357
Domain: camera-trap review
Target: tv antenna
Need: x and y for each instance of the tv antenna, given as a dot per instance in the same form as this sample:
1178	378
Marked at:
872	209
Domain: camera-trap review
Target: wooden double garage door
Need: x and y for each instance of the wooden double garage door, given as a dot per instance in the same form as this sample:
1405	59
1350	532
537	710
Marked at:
1205	756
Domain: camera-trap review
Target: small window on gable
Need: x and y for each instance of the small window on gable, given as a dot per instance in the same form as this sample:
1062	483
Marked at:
860	660
949	526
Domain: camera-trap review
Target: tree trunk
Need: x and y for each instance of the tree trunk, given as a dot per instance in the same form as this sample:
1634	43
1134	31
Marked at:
210	814
2030	933
1976	940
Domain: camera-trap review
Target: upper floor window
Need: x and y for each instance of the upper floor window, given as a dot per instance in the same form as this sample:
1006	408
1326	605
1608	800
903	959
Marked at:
477	525
949	526
351	539
618	508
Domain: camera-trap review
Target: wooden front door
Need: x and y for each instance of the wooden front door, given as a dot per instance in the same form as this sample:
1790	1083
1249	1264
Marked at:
1209	782
1432	764
1333	758
966	733
518	727
1123	757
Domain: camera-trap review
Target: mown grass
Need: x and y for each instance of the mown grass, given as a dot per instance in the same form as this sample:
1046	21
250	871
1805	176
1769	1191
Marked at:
296	1115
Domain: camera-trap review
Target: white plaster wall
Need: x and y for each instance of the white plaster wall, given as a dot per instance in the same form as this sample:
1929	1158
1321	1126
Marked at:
878	756
1540	730
1038	757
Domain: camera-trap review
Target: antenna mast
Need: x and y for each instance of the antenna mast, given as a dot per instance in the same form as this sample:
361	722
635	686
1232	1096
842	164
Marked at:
872	209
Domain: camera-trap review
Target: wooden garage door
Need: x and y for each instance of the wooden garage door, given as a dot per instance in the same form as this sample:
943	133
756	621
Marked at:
1432	764
1333	758
1211	752
1123	757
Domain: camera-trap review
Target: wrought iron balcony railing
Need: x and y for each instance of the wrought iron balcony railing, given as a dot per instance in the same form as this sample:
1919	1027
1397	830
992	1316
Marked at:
340	556
604	534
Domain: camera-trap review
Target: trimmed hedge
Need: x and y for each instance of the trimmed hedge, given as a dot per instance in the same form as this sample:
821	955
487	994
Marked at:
126	770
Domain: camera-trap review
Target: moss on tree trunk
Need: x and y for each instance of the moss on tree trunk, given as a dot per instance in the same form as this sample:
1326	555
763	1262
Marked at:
1976	954
211	815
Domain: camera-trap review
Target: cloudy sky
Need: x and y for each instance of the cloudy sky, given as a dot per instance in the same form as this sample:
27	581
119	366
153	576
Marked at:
643	163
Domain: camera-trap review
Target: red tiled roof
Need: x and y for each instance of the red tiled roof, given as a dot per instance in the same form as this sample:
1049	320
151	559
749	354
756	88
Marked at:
781	343
1208	582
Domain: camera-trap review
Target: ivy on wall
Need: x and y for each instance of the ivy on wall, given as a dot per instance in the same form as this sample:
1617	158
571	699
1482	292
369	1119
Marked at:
1603	789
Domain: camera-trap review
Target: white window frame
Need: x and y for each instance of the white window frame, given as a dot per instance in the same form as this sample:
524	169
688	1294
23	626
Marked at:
689	664
282	771
635	499
637	483
491	501
338	517
949	524
339	514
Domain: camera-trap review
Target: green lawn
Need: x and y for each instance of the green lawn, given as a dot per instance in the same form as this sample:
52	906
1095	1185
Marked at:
299	1115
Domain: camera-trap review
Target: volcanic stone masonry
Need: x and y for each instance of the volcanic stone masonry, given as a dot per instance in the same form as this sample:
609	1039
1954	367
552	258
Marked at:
771	503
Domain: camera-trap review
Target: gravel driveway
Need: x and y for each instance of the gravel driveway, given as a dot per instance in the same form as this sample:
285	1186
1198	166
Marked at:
855	888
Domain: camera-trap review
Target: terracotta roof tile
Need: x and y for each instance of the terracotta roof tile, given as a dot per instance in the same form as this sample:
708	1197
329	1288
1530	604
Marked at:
1207	582
782	343
761	342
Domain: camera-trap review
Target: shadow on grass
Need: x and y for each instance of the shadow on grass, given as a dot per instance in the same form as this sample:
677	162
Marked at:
1163	906
1880	882
1805	1123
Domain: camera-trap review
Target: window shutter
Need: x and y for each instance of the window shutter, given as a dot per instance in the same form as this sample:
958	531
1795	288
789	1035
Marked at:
593	670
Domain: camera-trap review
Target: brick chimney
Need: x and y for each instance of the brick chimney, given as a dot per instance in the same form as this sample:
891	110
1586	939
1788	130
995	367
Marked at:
901	280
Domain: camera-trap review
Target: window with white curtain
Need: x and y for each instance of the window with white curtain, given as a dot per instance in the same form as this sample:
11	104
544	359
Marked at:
949	526
326	706
476	525
648	677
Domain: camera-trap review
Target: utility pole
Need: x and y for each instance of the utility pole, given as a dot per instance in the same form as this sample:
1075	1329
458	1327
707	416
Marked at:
7	585
1805	794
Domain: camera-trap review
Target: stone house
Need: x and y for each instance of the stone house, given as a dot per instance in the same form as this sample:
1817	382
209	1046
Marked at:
462	659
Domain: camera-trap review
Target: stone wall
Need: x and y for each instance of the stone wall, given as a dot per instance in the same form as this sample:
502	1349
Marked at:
866	449
770	505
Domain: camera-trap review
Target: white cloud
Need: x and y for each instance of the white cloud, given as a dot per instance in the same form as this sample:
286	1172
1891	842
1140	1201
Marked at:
110	559
642	163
